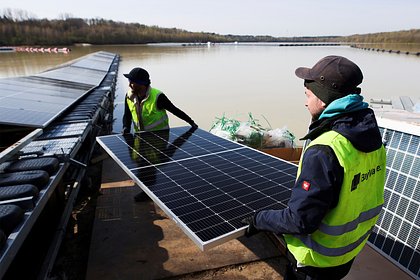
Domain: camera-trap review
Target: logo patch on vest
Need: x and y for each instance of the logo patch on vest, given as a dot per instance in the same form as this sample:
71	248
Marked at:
355	182
306	185
361	177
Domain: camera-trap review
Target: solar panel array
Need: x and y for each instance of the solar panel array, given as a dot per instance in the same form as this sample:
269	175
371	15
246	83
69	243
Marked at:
37	100
397	231
205	183
69	139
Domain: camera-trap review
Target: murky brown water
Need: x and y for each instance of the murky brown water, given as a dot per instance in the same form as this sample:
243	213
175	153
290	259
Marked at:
209	81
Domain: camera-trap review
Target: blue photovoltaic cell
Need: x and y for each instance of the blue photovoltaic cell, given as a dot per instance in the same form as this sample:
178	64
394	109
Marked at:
206	183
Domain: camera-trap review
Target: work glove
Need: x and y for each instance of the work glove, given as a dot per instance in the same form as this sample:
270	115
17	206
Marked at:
194	125
251	229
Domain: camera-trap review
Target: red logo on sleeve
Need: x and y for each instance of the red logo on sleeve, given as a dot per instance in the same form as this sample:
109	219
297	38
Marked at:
306	185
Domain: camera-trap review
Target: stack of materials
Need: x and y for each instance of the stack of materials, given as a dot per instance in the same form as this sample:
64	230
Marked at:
251	133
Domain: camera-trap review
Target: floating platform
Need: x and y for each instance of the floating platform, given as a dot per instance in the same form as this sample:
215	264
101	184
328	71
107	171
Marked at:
48	125
138	241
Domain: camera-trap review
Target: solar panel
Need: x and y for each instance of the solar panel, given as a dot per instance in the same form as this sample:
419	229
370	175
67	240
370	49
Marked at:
59	84
24	104
41	98
29	117
205	183
397	231
35	83
64	130
57	147
37	100
33	105
98	63
76	74
30	89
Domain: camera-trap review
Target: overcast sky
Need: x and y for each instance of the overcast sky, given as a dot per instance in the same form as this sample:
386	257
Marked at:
242	17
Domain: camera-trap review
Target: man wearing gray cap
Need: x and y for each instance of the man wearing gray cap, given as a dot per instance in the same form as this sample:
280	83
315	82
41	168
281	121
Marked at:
338	193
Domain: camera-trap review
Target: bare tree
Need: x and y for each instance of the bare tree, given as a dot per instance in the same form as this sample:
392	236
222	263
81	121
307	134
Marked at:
17	14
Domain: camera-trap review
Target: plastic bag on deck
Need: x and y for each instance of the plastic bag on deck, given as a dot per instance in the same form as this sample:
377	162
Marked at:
252	133
225	127
278	138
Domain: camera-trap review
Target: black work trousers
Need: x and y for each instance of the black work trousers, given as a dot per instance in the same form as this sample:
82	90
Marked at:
315	273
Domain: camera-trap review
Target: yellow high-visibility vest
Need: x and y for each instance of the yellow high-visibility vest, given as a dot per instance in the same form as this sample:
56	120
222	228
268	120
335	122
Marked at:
345	229
151	117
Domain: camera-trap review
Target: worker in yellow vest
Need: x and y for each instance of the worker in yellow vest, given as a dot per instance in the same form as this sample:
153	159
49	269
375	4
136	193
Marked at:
338	193
146	107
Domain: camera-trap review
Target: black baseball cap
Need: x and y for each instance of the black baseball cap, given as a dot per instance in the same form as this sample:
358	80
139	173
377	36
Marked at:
331	78
139	76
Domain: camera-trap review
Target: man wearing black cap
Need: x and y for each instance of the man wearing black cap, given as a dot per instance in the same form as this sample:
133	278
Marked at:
338	193
146	107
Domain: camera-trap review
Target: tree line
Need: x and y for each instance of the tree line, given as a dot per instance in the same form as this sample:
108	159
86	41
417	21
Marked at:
94	31
20	28
406	36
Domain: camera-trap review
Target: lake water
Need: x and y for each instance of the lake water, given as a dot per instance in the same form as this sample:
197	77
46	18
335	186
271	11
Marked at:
233	80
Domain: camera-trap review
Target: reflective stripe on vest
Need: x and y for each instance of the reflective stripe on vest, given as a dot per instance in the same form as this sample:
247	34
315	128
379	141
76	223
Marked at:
332	252
350	226
163	120
345	229
151	117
